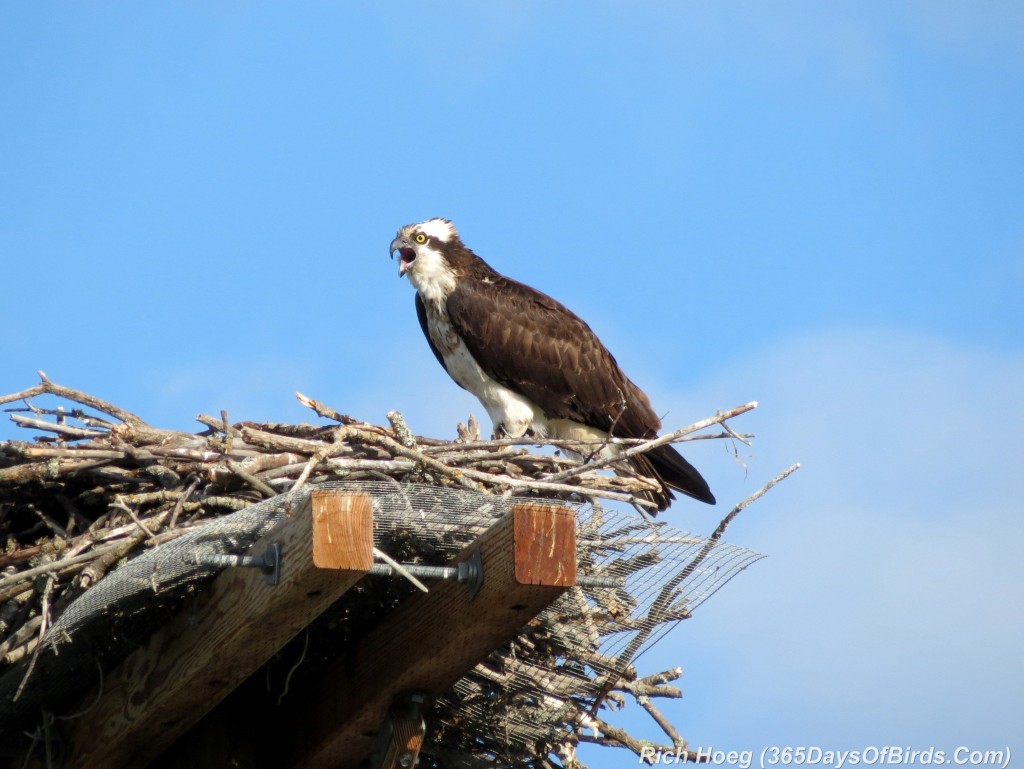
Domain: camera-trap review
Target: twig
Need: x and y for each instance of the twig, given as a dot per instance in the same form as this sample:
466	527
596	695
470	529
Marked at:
252	480
6	583
20	556
23	634
563	488
91	573
287	443
119	505
42	424
49	388
45	614
664	599
618	738
741	437
399	569
666	726
71	451
396	448
51	524
179	503
325	411
401	429
654	442
657	679
314	460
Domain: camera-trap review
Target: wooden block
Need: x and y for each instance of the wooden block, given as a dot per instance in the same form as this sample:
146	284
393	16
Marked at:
230	630
540	539
431	640
341	537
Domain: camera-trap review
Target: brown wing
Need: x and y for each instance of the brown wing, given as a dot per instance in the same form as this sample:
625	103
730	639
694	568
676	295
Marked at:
537	347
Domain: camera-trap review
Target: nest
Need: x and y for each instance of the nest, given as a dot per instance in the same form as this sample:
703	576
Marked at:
99	485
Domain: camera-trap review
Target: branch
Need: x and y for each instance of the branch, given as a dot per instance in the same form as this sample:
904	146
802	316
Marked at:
654	442
49	388
660	606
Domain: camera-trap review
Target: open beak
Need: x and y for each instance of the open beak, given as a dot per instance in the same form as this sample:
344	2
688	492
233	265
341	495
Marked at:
406	255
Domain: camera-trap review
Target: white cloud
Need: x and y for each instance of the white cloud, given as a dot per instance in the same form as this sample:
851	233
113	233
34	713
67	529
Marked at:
890	610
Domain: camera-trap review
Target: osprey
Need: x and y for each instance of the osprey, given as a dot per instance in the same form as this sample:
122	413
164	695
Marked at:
535	366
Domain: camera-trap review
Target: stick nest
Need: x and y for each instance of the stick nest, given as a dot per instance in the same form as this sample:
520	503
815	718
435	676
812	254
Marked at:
99	484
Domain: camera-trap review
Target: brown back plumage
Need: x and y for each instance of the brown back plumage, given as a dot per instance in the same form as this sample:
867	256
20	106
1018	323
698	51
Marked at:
570	375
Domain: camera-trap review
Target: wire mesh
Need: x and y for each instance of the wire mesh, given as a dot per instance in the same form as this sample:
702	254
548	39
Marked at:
533	694
528	695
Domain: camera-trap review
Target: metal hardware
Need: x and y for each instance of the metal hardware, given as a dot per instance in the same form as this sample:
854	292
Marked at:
269	562
470	573
591	580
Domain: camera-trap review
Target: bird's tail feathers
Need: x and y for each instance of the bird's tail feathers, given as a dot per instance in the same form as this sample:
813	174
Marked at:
671	469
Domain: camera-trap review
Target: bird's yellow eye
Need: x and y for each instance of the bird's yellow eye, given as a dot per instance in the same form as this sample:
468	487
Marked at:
420	238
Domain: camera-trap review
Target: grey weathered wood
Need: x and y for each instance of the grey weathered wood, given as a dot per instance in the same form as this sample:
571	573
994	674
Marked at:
231	629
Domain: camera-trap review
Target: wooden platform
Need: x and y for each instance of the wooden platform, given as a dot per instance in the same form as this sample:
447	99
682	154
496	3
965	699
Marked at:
233	627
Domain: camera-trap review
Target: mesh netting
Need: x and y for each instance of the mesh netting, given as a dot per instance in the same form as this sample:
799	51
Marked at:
530	693
541	688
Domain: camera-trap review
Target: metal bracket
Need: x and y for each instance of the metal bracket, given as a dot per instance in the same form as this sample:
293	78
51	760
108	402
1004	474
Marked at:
269	562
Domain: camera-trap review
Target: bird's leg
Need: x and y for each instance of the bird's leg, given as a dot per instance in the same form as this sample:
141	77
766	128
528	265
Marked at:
501	432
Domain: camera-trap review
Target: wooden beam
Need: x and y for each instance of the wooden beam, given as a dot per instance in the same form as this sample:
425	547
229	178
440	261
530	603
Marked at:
230	630
431	640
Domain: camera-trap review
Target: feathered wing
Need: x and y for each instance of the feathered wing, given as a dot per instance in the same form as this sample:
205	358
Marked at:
421	314
535	346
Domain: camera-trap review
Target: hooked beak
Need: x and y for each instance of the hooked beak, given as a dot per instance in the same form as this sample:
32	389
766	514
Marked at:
406	255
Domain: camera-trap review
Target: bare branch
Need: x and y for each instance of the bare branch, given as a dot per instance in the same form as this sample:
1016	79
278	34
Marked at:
49	388
655	442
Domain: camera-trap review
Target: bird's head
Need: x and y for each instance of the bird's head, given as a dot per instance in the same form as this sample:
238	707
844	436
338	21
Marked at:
421	249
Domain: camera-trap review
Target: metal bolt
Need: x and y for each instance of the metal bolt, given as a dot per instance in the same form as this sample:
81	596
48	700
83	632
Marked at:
469	573
269	562
591	580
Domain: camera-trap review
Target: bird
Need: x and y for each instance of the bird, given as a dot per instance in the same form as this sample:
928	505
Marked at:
535	366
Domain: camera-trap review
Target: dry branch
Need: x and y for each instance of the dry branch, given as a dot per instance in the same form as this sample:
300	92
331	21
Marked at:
79	499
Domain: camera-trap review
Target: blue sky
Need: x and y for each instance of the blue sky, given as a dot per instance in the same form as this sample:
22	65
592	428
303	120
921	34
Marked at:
814	205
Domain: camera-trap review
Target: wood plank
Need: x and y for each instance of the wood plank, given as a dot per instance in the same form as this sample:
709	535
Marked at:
431	640
230	630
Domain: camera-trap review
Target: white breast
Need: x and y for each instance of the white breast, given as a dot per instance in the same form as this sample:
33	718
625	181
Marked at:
511	413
